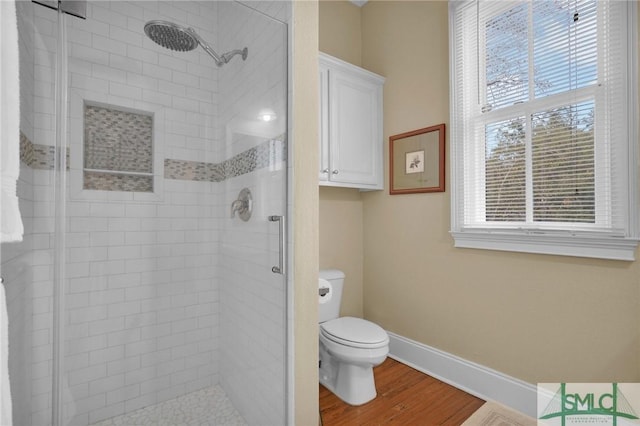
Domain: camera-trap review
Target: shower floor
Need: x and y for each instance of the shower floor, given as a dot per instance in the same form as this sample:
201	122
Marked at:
206	407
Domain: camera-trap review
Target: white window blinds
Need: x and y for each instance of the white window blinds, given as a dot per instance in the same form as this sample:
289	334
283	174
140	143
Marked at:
542	118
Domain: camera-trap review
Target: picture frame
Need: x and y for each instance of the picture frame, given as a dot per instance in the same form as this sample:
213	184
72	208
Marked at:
416	161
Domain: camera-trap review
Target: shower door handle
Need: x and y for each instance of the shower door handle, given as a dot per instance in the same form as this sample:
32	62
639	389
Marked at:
280	269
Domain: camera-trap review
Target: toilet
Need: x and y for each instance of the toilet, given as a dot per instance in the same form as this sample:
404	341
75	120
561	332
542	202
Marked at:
349	347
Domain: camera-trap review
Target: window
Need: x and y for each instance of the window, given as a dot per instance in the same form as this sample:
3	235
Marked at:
543	135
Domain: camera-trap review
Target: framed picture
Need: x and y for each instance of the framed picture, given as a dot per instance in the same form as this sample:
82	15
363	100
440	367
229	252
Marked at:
416	161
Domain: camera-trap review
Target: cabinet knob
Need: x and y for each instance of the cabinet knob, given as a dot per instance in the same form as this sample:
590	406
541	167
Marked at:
325	171
335	172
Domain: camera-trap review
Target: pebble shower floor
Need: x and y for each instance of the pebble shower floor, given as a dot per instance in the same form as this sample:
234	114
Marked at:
206	407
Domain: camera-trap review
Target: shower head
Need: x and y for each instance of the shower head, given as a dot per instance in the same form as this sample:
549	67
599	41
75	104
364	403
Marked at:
176	37
171	36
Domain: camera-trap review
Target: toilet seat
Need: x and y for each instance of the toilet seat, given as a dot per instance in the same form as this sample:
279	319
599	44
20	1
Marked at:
355	332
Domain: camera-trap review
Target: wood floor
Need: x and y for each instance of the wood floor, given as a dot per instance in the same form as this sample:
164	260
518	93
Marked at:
405	397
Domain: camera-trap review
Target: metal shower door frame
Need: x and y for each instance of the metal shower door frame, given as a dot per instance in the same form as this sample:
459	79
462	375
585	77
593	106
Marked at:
71	7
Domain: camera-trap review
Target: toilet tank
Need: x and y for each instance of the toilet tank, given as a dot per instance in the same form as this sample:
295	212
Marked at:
331	309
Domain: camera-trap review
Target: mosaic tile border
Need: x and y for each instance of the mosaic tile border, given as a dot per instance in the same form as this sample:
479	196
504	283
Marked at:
193	170
267	153
42	157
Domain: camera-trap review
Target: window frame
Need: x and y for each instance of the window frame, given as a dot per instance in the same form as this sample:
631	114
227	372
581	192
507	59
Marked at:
609	243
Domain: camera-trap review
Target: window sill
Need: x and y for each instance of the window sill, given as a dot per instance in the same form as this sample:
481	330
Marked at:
600	247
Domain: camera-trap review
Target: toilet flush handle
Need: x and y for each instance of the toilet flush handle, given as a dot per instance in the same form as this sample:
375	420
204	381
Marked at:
323	291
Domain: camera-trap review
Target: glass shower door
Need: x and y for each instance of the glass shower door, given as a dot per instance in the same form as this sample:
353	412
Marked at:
168	299
253	291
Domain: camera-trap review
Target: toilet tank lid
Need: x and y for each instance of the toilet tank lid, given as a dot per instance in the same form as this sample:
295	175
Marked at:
331	274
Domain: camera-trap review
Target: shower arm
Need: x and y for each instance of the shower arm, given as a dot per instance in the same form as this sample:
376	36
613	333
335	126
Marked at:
219	61
226	57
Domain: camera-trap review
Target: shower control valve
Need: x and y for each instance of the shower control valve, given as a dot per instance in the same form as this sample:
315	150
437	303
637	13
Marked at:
243	205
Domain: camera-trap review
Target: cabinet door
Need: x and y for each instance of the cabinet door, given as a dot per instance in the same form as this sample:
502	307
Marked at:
323	167
356	130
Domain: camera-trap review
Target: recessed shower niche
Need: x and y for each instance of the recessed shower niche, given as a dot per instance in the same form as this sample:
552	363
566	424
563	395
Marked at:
118	149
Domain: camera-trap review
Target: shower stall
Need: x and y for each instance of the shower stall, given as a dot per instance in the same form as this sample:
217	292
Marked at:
151	283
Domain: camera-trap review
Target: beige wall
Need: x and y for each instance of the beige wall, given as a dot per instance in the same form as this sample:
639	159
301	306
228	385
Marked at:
305	210
341	235
341	30
535	317
341	239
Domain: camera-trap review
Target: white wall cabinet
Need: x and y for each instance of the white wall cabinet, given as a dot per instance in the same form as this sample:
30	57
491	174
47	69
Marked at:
350	125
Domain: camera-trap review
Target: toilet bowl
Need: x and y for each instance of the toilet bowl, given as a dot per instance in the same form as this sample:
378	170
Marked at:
349	347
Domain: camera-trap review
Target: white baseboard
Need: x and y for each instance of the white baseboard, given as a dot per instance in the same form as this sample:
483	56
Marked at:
470	377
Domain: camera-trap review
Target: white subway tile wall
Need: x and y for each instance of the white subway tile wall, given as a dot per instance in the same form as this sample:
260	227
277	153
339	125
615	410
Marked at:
151	278
139	349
